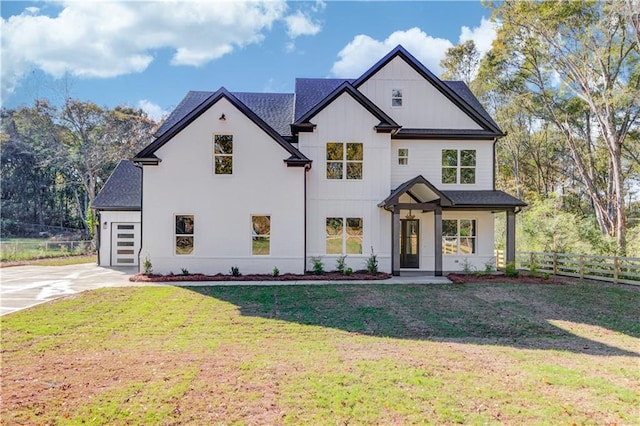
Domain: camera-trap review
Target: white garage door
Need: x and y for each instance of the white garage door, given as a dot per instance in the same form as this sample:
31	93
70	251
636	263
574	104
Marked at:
125	244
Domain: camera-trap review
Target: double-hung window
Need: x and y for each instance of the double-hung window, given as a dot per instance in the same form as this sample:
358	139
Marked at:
403	156
184	234
260	235
344	235
344	160
223	154
396	98
459	166
459	236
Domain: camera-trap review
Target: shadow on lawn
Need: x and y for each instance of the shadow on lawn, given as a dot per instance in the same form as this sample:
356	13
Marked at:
507	315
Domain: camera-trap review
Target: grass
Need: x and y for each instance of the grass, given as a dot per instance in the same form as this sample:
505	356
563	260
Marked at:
374	354
25	249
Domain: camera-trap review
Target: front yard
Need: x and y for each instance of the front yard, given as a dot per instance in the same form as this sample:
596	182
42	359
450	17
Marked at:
357	354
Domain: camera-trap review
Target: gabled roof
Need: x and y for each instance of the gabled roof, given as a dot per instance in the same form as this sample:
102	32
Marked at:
420	190
386	122
310	91
187	115
122	191
459	99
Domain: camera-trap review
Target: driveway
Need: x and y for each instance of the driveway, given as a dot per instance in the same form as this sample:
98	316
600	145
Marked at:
25	286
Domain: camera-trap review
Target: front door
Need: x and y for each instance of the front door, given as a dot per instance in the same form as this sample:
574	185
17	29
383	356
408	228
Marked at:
125	243
409	243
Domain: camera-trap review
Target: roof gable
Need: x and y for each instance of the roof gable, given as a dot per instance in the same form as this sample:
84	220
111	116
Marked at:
420	190
186	113
122	191
386	122
456	92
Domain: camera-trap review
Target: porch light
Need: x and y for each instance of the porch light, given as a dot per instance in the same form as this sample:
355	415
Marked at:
409	216
222	118
104	225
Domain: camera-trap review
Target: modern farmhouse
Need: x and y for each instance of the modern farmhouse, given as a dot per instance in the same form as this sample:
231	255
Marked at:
395	161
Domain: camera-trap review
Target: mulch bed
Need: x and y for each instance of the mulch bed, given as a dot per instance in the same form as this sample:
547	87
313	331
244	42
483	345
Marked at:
503	279
328	276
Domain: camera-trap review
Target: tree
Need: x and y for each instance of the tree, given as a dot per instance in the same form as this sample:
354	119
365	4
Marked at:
461	62
576	66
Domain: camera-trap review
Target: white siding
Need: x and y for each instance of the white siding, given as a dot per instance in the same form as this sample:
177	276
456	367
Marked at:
222	205
425	158
345	120
107	219
423	106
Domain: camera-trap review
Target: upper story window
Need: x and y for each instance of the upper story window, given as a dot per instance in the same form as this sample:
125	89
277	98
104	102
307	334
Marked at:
459	236
459	166
343	235
260	235
344	160
184	234
396	97
403	156
223	154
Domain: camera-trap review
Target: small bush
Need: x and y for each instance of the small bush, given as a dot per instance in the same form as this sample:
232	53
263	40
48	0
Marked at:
347	271
185	271
318	265
340	263
511	271
489	268
372	263
147	267
546	276
275	271
235	271
467	267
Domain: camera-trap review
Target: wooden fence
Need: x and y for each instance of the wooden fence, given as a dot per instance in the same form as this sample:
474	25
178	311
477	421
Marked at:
615	269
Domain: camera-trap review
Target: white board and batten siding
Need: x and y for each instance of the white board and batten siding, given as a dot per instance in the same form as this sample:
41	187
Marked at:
345	120
423	105
184	183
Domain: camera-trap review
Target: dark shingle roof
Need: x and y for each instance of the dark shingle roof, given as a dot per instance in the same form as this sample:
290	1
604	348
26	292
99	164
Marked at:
310	91
122	191
188	103
465	93
276	109
487	198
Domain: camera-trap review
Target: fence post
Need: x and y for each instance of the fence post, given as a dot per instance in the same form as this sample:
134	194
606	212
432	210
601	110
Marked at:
531	260
555	263
582	266
616	269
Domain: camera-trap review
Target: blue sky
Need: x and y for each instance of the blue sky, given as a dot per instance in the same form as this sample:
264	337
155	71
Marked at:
150	53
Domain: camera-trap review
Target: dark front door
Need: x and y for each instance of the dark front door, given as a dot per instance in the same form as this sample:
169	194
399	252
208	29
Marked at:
409	243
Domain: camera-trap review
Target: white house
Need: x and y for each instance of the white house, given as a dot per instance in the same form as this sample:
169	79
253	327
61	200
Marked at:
395	161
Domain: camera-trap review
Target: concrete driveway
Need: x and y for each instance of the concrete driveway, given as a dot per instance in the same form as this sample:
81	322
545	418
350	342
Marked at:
25	286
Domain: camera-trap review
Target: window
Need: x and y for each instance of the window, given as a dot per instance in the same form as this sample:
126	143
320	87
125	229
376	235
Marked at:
403	156
344	235
184	234
459	166
396	97
223	154
459	236
260	235
341	156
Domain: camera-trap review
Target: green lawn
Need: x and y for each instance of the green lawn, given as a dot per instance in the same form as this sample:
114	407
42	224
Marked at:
374	354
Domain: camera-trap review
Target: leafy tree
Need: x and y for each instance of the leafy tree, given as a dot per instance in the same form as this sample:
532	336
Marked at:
461	62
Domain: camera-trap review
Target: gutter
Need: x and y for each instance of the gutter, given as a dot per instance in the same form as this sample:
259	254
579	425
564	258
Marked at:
140	165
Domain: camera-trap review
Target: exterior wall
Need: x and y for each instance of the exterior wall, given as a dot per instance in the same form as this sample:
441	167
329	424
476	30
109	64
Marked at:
107	219
345	120
423	106
425	158
222	205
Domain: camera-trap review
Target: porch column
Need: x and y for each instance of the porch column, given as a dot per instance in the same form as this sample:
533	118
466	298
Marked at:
395	242
511	237
437	235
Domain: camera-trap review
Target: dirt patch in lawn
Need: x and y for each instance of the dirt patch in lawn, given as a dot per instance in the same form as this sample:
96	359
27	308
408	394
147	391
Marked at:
328	276
502	278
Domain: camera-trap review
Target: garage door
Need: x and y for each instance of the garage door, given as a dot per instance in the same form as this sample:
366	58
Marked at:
125	244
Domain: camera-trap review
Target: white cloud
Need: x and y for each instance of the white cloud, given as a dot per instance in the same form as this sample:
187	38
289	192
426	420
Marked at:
363	51
482	36
108	39
154	111
299	24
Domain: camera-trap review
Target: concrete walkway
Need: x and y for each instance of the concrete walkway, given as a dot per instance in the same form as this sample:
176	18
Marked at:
24	286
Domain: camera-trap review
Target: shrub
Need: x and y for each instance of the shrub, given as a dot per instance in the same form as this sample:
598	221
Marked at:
372	263
185	271
235	271
147	267
467	267
511	271
340	263
347	271
318	265
275	271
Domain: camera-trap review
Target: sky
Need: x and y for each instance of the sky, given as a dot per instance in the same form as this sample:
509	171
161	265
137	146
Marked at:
149	54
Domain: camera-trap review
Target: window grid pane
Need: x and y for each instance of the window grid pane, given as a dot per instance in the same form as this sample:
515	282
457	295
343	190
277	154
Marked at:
459	236
344	160
184	234
223	154
261	235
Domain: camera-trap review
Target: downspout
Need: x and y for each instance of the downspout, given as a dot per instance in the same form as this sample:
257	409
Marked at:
306	170
141	204
495	143
99	235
